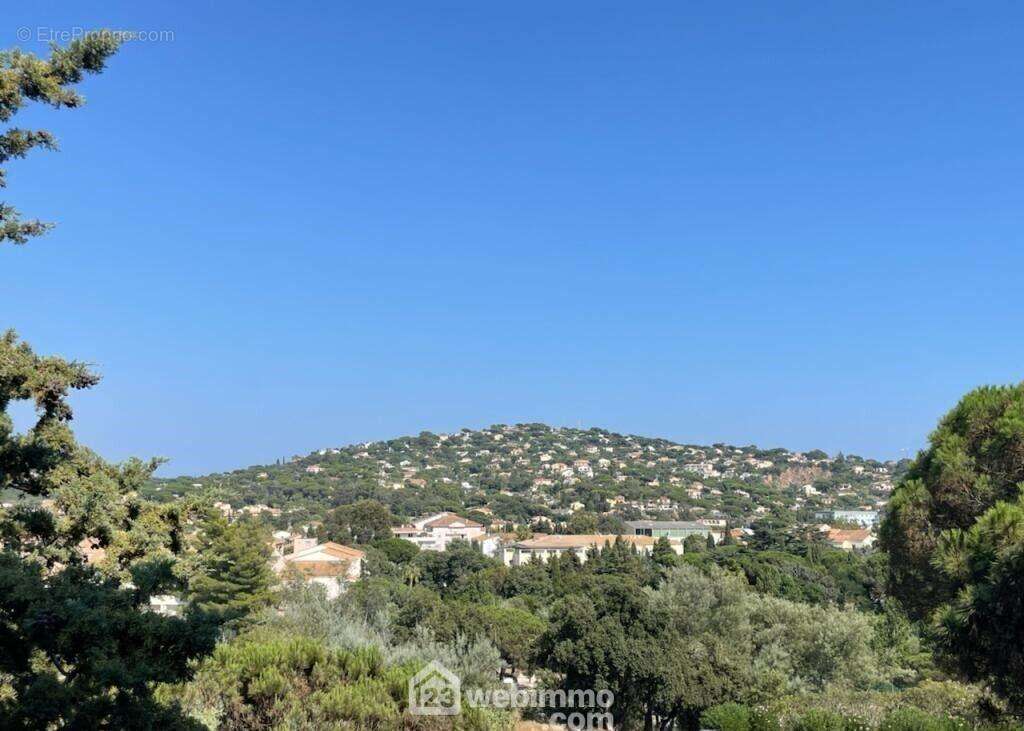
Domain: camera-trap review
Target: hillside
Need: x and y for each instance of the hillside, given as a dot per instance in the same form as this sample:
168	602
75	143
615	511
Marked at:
527	470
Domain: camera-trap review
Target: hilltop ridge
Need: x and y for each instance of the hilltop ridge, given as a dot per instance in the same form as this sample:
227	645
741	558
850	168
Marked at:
523	472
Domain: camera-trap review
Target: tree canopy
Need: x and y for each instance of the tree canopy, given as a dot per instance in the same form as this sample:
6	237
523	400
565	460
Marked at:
955	535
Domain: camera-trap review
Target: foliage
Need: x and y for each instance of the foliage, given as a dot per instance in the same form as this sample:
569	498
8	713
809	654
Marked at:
273	680
726	717
396	550
318	664
975	459
955	534
811	714
76	647
820	720
968	704
232	578
513	631
982	628
703	639
78	650
442	570
813	574
361	522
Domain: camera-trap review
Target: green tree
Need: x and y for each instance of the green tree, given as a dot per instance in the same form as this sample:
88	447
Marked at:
975	458
695	544
612	640
232	578
955	535
397	550
362	522
443	569
583	523
277	680
76	648
981	630
664	555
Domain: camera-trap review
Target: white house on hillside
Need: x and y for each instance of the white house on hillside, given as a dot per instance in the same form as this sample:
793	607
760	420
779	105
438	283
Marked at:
435	532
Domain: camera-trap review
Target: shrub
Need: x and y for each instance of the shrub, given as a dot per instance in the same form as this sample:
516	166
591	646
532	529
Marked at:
819	720
727	717
763	720
914	719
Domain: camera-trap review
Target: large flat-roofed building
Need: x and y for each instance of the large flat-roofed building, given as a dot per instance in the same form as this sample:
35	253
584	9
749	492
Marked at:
544	547
680	529
865	518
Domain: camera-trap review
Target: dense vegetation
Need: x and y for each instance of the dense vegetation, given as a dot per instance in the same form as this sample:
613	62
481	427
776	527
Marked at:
535	473
672	639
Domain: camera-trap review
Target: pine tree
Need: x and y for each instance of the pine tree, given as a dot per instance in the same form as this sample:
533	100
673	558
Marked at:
77	649
232	580
663	554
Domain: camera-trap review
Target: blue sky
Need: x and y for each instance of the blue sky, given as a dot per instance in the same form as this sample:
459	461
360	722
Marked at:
789	224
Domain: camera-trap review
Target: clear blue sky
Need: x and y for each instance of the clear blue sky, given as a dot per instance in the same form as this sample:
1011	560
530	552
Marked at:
790	224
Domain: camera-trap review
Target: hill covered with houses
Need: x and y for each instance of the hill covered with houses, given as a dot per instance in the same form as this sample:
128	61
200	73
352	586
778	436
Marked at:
533	472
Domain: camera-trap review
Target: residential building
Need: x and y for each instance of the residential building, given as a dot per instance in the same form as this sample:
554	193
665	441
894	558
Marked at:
435	532
331	565
718	523
851	539
167	605
544	547
492	544
865	518
680	529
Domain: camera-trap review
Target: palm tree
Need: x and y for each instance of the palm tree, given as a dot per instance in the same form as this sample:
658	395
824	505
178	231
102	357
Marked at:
412	574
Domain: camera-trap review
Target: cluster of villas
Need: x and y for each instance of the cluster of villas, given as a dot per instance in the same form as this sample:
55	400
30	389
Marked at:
436	533
334	566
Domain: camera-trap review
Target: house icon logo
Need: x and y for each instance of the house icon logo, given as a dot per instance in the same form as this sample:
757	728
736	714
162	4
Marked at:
435	691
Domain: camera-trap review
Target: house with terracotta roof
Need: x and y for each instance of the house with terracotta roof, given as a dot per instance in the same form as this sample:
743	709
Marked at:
435	532
850	539
544	547
331	565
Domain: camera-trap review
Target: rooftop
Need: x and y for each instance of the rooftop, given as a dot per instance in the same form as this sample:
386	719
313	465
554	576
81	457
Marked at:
667	524
583	541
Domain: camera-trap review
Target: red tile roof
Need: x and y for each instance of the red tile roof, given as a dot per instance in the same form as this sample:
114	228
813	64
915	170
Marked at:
853	535
447	519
